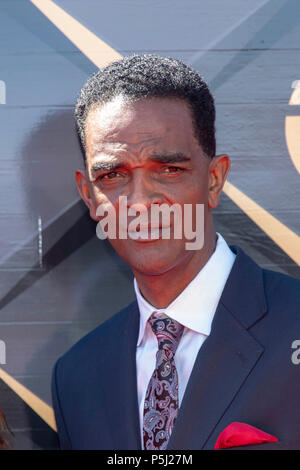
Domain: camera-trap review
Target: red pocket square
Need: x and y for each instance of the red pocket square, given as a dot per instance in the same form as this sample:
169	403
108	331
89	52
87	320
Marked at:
242	434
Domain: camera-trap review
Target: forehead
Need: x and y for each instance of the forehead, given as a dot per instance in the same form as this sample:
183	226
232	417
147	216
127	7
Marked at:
150	121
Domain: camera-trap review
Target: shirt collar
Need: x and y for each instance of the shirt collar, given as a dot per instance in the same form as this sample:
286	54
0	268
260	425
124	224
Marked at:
195	306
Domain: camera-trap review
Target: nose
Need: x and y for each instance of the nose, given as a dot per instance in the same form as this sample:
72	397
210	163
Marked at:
142	192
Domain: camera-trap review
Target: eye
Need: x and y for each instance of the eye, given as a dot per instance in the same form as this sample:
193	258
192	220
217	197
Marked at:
109	176
173	169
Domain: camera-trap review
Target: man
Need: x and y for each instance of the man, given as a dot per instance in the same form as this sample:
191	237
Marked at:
208	341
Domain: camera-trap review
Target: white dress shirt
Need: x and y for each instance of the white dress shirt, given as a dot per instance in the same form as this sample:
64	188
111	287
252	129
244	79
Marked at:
194	308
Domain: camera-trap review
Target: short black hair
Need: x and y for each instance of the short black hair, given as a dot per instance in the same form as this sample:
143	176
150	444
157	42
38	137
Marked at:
148	76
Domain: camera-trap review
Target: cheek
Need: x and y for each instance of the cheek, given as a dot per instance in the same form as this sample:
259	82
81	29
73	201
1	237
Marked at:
100	205
195	193
99	198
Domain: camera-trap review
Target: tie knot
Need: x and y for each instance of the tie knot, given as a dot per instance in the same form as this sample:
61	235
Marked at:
167	331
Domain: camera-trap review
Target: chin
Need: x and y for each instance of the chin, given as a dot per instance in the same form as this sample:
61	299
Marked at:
151	258
155	264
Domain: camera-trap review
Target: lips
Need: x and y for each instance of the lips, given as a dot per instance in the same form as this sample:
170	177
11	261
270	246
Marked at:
150	226
149	233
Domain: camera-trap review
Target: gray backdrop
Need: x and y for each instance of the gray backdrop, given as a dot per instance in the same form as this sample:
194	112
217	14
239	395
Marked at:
58	281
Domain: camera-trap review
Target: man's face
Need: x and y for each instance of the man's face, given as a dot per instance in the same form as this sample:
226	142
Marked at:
146	150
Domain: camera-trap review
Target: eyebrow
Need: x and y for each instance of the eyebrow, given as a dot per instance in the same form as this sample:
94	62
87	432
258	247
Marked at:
106	166
176	157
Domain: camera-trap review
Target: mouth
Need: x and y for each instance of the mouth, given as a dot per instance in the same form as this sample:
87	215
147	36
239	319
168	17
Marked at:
150	234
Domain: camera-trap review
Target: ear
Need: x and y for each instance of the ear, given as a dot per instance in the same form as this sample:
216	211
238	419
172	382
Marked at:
85	193
218	171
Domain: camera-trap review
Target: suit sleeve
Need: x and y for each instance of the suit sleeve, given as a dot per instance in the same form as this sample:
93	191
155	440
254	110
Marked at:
64	440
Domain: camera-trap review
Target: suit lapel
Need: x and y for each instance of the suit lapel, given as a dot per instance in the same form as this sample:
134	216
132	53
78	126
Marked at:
120	383
223	363
225	359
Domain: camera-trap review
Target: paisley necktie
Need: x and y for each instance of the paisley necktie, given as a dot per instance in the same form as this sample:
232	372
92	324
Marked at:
161	400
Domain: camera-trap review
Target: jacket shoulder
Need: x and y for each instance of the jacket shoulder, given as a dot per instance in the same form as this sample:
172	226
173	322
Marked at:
282	293
98	340
282	287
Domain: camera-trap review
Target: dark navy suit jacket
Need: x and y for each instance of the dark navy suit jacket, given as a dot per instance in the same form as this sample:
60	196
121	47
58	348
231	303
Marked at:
243	372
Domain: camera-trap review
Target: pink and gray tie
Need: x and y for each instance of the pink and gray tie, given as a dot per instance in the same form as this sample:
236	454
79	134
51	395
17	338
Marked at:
161	400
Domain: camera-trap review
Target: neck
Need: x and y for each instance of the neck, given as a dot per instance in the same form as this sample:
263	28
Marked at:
176	278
